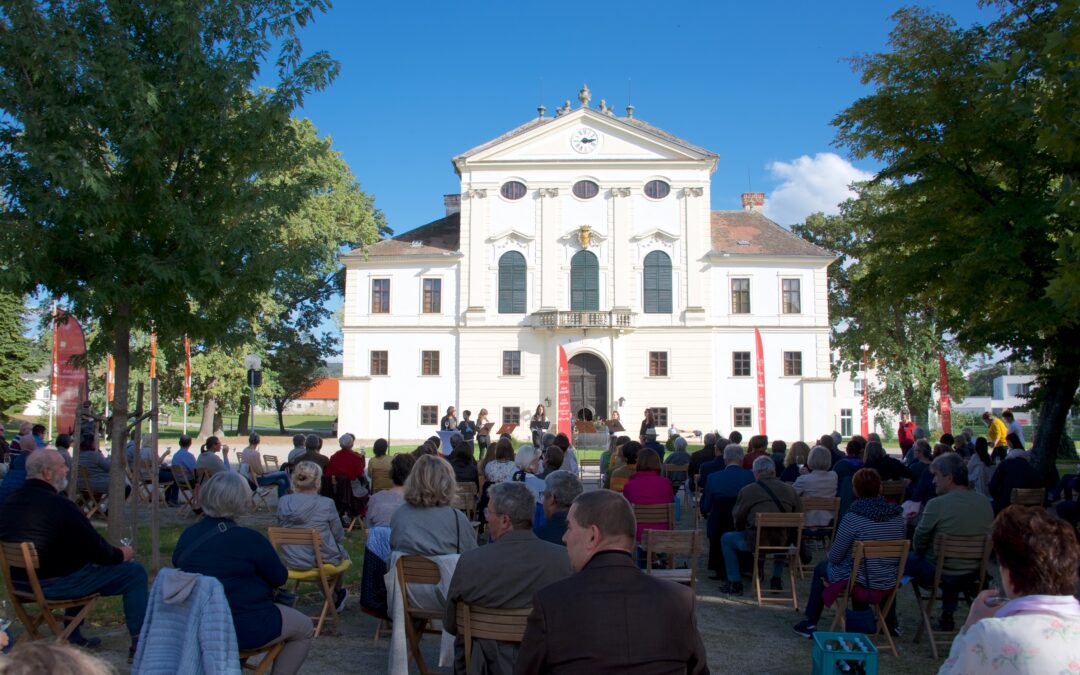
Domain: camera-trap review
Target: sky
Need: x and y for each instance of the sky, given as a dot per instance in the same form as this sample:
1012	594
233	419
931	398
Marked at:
755	82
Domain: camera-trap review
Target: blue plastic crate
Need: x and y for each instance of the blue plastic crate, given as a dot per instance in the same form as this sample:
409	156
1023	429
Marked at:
831	655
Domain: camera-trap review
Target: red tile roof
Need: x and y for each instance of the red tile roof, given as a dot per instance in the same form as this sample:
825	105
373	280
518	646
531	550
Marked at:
750	233
325	389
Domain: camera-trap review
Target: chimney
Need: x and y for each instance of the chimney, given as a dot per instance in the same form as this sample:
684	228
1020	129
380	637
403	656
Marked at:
753	201
452	203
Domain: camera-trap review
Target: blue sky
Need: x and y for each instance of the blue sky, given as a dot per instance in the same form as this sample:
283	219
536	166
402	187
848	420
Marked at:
757	83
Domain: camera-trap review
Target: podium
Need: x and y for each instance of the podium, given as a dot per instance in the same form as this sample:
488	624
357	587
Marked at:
444	436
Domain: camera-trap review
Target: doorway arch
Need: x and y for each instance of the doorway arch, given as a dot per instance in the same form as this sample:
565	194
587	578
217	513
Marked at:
588	387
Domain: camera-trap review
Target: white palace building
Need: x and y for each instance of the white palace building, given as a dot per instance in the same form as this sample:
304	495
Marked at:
592	232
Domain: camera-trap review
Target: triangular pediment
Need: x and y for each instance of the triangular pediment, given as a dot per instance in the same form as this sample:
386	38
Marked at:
656	233
513	235
585	135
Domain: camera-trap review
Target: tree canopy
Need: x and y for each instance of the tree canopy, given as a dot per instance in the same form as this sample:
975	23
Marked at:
976	132
17	355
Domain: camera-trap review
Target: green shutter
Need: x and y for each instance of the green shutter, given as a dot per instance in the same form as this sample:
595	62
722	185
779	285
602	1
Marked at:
512	283
657	277
584	282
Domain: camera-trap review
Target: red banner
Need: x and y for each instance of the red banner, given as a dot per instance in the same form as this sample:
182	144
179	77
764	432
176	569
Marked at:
70	380
760	383
864	428
153	356
563	413
943	388
54	385
187	369
110	379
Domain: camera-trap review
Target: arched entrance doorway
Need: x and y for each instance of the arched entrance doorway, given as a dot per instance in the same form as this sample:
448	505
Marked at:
588	387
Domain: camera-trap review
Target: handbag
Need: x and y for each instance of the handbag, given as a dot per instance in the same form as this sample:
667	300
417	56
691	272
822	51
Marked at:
860	621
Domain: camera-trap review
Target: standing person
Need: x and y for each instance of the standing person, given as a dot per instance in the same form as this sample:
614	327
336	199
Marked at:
648	423
905	432
449	422
483	438
251	458
467	429
996	431
539	415
1014	426
609	617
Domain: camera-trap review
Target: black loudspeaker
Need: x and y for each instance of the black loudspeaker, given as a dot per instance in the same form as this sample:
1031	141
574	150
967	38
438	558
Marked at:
390	405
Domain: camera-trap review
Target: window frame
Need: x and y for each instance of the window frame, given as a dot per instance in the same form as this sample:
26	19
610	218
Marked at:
656	182
660	417
380	299
658	265
735	296
749	364
427	361
659	361
433	410
384	361
847	420
585	271
434	295
516	290
785	304
503	190
736	411
511	418
514	362
585	181
790	358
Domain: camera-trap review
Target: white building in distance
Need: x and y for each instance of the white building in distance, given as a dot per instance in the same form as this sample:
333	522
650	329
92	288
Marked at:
592	232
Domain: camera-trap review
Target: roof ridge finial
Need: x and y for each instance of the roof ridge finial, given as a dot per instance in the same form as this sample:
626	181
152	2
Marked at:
584	96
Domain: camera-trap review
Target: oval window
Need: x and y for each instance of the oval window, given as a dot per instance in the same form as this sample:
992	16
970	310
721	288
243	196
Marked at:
586	189
512	190
657	189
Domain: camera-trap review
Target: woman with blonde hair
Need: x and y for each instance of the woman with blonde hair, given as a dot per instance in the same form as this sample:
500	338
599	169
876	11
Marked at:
306	509
794	460
426	524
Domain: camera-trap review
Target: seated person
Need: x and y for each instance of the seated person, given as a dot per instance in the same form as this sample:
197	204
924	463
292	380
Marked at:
74	559
297	449
208	459
649	441
957	511
561	488
248	568
755	447
819	481
870	518
570	460
1035	631
426	524
620	476
889	468
348	465
677	457
306	509
379	463
97	467
528	463
852	460
312	445
647	486
727	482
610	460
384	503
1014	472
251	458
795	458
463	462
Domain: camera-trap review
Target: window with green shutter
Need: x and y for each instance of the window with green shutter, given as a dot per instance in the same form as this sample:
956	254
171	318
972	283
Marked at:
584	282
657	295
512	284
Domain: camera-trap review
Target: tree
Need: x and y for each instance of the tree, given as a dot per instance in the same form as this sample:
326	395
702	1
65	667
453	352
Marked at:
902	334
975	129
17	358
297	362
133	156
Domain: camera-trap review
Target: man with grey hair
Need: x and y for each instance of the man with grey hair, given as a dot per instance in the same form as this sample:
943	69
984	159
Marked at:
502	575
298	448
312	444
957	511
678	457
699	457
718	501
561	488
767	494
74	559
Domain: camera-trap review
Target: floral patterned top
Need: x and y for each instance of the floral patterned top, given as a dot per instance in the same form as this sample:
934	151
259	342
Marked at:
1038	634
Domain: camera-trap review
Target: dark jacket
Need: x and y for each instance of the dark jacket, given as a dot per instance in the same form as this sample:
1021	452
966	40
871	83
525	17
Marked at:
246	565
553	528
65	540
612	618
1016	472
314	456
889	468
754	499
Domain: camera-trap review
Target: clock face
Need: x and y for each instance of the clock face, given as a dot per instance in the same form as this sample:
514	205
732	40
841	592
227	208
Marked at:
584	140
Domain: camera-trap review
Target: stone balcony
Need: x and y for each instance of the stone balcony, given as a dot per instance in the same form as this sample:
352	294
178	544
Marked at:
615	319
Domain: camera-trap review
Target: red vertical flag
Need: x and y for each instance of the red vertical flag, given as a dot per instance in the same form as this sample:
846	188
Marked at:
70	378
943	388
153	356
54	386
864	428
760	383
187	369
563	414
110	379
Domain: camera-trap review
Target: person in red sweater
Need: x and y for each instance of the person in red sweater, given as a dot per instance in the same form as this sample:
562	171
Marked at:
906	432
345	462
647	486
755	448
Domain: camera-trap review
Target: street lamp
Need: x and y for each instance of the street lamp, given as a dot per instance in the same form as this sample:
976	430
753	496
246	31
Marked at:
254	377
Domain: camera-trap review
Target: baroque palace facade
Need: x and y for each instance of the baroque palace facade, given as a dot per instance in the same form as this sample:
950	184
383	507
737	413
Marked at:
592	232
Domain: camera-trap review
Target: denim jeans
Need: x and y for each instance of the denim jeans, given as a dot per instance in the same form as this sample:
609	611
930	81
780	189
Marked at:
127	579
816	602
733	542
279	478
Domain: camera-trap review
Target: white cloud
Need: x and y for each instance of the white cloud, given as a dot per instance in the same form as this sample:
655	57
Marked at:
810	184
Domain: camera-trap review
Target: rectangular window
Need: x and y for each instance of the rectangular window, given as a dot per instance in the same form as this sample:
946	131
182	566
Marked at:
792	364
429	415
658	364
792	296
740	364
432	296
379	363
845	422
511	415
860	384
380	296
429	363
740	296
742	418
511	362
660	417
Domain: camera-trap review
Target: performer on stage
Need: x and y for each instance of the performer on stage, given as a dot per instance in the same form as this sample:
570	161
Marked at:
482	438
647	423
449	421
467	429
539	415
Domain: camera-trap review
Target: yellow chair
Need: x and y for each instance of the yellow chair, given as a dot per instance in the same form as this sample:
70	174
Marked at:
323	575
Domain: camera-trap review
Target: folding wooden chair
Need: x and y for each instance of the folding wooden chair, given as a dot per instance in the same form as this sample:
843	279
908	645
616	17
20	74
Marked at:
655	514
322	575
1028	496
890	549
590	467
894	490
786	522
823	533
271	462
86	499
950	548
416	569
23	555
465	499
184	491
673	544
260	494
678	483
264	665
485	623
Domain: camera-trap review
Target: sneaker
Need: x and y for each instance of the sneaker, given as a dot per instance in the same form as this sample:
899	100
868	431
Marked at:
775	584
340	596
805	629
731	587
896	632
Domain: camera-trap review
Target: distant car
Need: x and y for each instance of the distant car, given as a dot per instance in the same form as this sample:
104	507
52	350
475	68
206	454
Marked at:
333	427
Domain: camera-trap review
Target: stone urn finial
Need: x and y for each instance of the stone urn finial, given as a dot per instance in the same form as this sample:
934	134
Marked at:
584	96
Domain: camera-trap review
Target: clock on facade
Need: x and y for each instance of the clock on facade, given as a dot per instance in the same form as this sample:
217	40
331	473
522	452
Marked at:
584	140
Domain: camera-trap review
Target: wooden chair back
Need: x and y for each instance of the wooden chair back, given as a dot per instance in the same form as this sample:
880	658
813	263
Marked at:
792	525
311	538
1028	496
673	544
465	499
889	549
416	569
894	490
271	462
824	533
485	623
949	548
23	555
89	502
655	514
269	652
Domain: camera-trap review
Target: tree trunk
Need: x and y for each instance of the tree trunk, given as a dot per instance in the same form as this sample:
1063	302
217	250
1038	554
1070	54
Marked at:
1058	389
279	405
207	426
219	424
245	412
117	477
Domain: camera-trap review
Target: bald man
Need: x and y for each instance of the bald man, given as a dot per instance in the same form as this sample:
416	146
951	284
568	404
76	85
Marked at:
75	560
609	617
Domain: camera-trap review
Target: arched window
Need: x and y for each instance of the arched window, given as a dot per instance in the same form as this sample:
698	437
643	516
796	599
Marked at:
512	285
584	282
657	283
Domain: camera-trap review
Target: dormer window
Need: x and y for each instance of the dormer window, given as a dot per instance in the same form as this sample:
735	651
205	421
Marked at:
586	189
657	189
512	190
